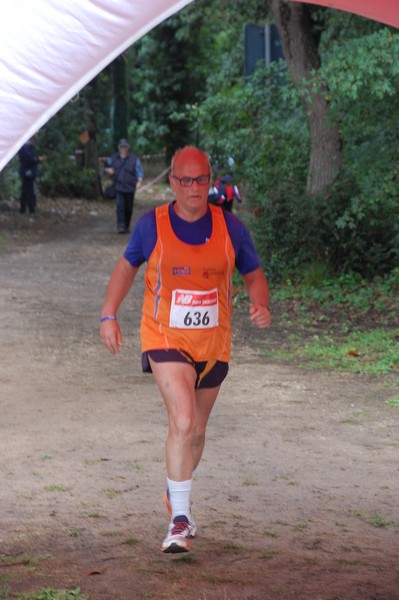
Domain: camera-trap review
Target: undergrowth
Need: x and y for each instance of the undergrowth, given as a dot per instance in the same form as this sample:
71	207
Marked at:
344	323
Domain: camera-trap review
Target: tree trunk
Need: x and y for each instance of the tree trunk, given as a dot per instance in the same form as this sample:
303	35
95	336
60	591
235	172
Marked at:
90	147
120	115
300	52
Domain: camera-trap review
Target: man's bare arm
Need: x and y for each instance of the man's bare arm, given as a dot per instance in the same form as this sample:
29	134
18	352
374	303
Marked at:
119	285
258	291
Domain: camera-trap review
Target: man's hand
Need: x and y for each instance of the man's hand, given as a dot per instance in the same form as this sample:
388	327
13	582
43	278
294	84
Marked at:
111	335
259	315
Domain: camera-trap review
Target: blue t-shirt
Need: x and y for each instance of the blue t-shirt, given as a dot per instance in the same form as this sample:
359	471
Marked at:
144	237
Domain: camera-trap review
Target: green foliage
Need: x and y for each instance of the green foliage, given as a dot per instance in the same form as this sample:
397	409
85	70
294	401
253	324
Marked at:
63	177
365	65
358	218
63	172
179	64
271	164
393	402
173	78
348	293
9	181
354	225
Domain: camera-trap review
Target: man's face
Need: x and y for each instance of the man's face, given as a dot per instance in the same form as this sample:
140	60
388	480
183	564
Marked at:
123	151
191	199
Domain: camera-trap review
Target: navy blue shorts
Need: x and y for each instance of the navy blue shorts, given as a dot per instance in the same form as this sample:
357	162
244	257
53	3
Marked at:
210	373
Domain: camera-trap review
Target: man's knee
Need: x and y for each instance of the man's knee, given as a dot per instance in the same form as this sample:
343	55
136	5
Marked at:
184	426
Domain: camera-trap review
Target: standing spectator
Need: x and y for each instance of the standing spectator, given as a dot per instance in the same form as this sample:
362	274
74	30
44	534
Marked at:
28	171
127	175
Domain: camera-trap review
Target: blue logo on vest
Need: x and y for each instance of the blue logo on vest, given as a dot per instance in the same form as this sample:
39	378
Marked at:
181	270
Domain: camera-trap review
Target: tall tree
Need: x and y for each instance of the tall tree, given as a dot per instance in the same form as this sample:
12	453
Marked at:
300	50
120	99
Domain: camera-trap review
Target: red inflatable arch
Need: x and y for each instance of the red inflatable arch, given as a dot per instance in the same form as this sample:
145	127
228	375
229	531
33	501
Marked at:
386	11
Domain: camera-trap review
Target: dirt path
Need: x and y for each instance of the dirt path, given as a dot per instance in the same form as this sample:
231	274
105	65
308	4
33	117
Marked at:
297	495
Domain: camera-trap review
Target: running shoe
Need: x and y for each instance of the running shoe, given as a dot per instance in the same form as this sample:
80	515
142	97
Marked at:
166	501
177	539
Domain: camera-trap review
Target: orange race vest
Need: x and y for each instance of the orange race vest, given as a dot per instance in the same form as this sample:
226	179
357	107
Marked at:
188	298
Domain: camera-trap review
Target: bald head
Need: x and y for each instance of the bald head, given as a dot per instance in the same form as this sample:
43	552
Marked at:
189	180
190	155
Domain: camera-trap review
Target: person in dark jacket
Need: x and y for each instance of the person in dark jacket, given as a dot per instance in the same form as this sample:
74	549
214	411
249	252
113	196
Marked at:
127	175
28	171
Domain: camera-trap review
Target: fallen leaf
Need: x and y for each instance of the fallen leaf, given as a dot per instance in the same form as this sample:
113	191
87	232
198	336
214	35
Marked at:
95	572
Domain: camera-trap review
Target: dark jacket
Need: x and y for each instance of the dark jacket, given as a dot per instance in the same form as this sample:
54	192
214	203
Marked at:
28	161
124	177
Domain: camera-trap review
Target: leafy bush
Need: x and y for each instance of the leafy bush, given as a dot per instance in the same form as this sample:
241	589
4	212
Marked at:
63	177
9	181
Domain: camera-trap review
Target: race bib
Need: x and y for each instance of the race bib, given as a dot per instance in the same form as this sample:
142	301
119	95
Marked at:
192	309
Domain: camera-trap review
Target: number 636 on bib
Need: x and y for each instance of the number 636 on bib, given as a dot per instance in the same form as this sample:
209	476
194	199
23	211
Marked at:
194	309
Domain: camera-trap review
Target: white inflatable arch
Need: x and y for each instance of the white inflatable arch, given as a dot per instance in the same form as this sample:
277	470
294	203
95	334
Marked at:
50	49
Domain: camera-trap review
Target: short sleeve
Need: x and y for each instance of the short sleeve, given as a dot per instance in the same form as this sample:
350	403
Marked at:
247	258
142	241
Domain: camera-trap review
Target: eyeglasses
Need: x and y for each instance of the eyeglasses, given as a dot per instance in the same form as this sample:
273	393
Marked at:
188	181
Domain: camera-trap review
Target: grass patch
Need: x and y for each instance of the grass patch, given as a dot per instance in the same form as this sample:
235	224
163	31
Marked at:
75	533
343	323
56	487
393	402
187	559
4	587
50	594
301	526
46	457
110	493
131	541
372	353
268	554
233	548
249	481
23	560
269	533
378	521
93	514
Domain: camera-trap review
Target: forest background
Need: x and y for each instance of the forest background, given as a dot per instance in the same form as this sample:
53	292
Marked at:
314	138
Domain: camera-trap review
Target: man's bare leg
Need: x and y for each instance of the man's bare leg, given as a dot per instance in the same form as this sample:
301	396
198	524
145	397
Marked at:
205	400
176	382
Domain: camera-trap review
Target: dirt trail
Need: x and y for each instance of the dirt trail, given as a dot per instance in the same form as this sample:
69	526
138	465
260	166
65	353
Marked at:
297	495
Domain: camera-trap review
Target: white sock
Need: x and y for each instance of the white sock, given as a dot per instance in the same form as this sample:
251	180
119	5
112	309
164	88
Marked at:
179	497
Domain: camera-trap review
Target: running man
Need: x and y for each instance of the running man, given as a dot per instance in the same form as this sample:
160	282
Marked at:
191	250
